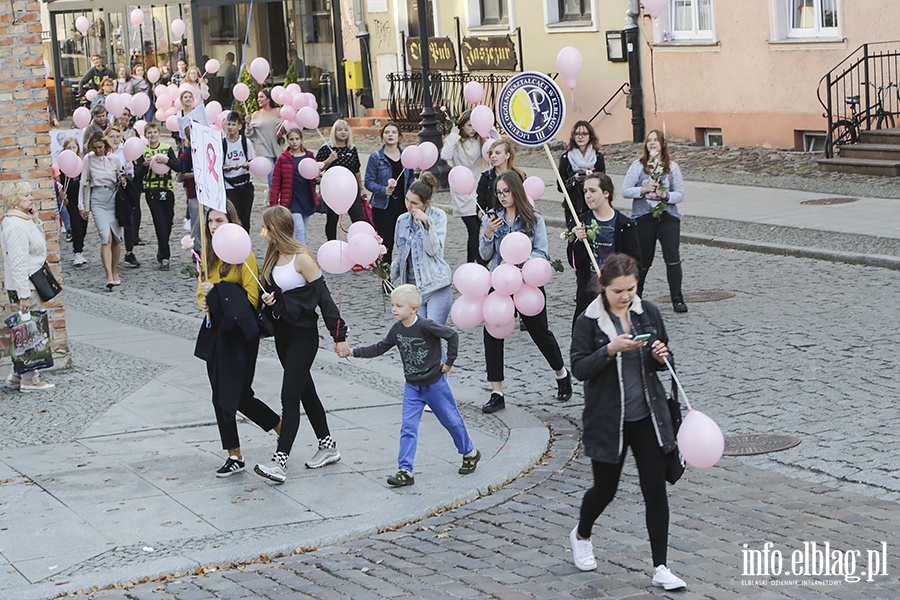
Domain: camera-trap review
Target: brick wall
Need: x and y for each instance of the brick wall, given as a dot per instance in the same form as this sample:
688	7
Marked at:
25	143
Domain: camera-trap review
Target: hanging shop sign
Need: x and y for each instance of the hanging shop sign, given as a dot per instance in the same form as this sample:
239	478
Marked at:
442	55
489	53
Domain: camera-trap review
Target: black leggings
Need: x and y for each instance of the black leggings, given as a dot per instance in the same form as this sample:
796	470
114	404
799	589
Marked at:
539	332
385	221
667	230
79	225
242	198
297	348
355	212
651	465
250	406
473	227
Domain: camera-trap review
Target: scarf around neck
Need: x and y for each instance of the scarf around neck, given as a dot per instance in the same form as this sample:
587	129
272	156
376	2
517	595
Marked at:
582	162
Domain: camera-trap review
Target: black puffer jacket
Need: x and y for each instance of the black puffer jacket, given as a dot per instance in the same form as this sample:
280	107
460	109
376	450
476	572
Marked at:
604	404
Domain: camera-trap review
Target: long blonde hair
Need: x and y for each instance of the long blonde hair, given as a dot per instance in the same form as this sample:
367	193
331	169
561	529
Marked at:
332	141
279	224
213	262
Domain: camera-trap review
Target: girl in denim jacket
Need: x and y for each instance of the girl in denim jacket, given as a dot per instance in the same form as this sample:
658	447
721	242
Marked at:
419	236
513	212
388	181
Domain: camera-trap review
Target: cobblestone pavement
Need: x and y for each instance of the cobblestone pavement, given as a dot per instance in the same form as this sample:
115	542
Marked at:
801	348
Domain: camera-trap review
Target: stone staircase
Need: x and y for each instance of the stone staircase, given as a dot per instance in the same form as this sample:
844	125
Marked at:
371	123
877	153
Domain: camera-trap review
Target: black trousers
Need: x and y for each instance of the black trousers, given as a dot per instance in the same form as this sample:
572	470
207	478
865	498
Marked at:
666	229
473	227
162	208
130	225
385	222
297	348
79	225
242	198
250	406
331	221
651	465
539	332
585	293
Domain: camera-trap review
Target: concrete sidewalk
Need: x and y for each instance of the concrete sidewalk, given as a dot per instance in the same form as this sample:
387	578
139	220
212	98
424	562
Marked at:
135	493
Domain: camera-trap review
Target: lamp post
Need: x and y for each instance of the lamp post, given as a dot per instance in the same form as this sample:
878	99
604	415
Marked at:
633	47
429	131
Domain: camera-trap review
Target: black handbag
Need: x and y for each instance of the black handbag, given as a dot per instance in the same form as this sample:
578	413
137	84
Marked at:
266	320
45	284
674	460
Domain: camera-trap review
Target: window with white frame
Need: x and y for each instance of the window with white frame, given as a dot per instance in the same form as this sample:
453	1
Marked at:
813	18
494	12
571	15
691	19
574	10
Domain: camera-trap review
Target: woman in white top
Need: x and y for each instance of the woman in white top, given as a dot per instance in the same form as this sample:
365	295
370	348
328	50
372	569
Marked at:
299	289
24	252
103	173
264	126
463	148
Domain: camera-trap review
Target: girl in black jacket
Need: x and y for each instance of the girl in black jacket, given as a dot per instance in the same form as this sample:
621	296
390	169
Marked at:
299	289
582	157
610	231
624	406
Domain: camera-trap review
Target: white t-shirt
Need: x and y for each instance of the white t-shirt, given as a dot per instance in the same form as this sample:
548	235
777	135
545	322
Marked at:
234	155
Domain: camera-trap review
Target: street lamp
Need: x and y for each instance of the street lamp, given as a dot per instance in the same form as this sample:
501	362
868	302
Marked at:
429	131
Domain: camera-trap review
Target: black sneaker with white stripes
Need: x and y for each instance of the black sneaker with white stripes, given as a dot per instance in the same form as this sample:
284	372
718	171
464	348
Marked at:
232	465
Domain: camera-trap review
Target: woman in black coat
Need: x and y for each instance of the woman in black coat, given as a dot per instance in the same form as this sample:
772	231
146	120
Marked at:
582	156
624	406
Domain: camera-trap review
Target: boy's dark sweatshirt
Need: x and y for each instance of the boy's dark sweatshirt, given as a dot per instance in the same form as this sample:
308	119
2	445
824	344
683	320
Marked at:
420	349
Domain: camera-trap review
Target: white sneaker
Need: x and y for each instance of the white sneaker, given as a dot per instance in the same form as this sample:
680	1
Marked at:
79	260
186	225
13	381
322	457
663	577
271	470
583	552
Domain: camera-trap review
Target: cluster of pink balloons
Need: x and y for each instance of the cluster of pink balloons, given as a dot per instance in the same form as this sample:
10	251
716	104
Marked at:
363	247
700	440
421	157
231	243
70	163
298	108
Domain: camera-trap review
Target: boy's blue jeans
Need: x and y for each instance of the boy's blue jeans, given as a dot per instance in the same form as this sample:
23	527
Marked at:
439	397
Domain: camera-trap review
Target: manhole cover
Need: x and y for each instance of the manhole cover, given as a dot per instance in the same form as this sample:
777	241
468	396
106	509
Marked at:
747	445
829	201
700	296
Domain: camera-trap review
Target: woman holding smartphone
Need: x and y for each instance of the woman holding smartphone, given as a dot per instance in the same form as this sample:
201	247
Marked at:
582	157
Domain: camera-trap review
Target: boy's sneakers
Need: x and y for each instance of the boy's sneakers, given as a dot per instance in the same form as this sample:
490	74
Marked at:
470	462
322	457
663	577
274	469
232	465
401	479
131	261
13	381
79	260
497	402
164	264
68	236
583	553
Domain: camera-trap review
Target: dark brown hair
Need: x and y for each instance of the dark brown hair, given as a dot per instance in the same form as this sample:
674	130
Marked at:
213	262
392	124
523	206
663	151
605	182
616	265
423	187
592	141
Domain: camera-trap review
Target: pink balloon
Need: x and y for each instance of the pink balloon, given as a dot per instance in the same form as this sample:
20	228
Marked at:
569	62
360	228
537	271
529	300
140	104
90	95
700	440
411	157
309	169
428	155
293	89
259	68
502	331
81	117
213	110
115	105
534	187
498	309
287	112
472	279
278	94
308	117
299	101
174	91
486	149
160	168
311	100
137	17
213	66
655	8
78	168
67	162
473	92
466	312
334	257
364	250
231	243
172	110
178	28
482	120
221	118
339	189
139	126
240	92
133	148
515	248
260	166
82	25
506	279
172	123
153	74
160	114
162	102
462	180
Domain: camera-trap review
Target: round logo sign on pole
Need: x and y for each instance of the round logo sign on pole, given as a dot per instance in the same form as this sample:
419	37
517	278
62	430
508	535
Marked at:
531	108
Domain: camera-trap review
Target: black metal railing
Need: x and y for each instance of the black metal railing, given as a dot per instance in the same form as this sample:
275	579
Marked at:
625	88
860	93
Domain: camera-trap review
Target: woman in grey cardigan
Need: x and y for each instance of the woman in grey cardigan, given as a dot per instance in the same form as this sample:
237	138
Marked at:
24	252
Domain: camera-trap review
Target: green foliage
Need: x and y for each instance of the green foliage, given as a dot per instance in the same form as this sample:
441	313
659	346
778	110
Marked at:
291	76
251	105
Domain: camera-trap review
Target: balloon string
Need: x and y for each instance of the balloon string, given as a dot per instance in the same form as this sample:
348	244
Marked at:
324	141
678	383
255	278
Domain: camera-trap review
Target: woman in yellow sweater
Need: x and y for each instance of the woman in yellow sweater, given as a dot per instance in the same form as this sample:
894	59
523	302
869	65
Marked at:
229	342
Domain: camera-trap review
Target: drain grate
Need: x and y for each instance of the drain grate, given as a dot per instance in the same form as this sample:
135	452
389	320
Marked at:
829	201
748	445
